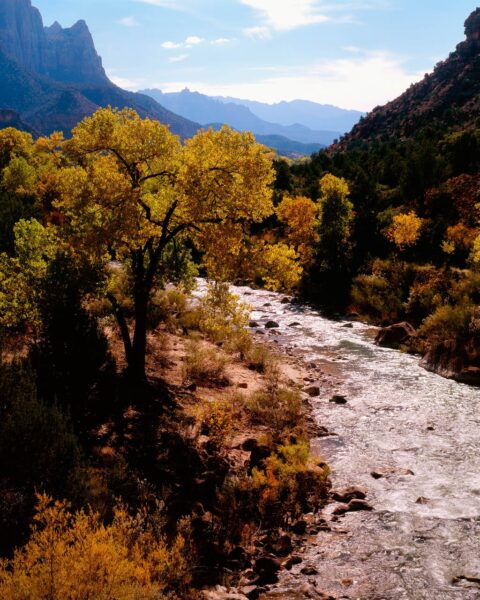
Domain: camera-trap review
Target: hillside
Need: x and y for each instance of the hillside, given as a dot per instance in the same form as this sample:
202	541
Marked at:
205	110
448	98
53	77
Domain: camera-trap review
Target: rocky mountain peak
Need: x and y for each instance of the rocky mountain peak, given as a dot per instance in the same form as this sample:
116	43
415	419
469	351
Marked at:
65	55
472	27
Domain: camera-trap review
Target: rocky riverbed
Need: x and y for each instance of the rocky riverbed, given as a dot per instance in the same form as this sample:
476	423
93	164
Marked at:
405	437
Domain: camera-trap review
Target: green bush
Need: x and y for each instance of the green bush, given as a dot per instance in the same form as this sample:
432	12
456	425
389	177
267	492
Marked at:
447	323
38	449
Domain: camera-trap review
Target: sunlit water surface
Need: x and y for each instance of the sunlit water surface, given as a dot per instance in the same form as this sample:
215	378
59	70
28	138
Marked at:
420	431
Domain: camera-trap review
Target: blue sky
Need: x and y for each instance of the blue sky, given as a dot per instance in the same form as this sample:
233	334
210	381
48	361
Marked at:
351	53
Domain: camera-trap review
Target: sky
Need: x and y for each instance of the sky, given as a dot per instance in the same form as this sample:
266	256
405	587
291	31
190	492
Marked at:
354	54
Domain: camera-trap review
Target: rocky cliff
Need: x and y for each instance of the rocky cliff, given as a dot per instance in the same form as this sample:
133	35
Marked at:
448	98
53	77
66	55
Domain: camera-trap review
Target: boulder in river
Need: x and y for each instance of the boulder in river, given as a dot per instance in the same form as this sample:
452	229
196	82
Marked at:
271	325
395	335
455	359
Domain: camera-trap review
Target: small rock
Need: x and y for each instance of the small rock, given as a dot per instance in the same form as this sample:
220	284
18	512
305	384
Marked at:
253	324
347	494
430	428
267	304
260	332
271	325
192	387
422	500
309	571
242	386
337	399
376	475
285	301
284	546
356	505
295	324
292	561
267	569
348	326
252	592
313	391
300	527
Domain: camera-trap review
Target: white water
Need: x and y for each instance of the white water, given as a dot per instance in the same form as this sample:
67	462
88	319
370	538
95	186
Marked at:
399	420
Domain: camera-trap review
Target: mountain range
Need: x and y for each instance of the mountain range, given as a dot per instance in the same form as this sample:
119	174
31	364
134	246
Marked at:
448	98
299	121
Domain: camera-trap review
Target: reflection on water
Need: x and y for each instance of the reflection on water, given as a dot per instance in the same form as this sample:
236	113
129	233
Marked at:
421	432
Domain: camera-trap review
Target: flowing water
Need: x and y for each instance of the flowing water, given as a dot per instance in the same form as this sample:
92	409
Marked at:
416	429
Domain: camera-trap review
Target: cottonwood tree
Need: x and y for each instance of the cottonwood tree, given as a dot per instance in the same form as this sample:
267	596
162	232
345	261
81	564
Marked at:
132	190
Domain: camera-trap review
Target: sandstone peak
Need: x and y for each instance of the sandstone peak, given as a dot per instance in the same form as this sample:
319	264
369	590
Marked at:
64	55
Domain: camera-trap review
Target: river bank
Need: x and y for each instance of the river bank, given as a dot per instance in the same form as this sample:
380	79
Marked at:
410	439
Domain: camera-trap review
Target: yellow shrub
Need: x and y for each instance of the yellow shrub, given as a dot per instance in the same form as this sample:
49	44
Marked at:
290	484
75	556
217	419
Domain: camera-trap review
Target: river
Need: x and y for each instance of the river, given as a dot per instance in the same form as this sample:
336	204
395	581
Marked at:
420	432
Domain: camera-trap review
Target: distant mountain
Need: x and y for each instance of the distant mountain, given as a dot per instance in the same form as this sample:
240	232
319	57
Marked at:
53	77
205	109
282	145
310	114
448	98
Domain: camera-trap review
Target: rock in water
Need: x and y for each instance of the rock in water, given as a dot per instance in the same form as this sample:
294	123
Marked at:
395	335
455	359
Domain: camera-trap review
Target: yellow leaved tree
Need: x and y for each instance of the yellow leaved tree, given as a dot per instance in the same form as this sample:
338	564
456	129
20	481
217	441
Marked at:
131	191
405	230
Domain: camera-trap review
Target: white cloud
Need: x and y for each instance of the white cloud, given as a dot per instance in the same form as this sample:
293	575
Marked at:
171	45
177	59
193	40
128	22
357	82
282	15
257	33
190	41
220	41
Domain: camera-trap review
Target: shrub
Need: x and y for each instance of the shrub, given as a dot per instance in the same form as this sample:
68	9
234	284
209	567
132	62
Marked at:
279	409
222	316
75	556
382	293
204	364
38	450
259	358
291	483
167	307
217	419
447	323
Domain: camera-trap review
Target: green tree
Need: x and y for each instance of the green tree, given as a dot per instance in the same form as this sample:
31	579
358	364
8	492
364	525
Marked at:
330	270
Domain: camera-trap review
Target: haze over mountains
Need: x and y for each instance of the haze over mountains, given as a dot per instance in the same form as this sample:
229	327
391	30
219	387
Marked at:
300	121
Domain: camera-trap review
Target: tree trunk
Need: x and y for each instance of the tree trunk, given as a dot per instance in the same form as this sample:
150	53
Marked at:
136	362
